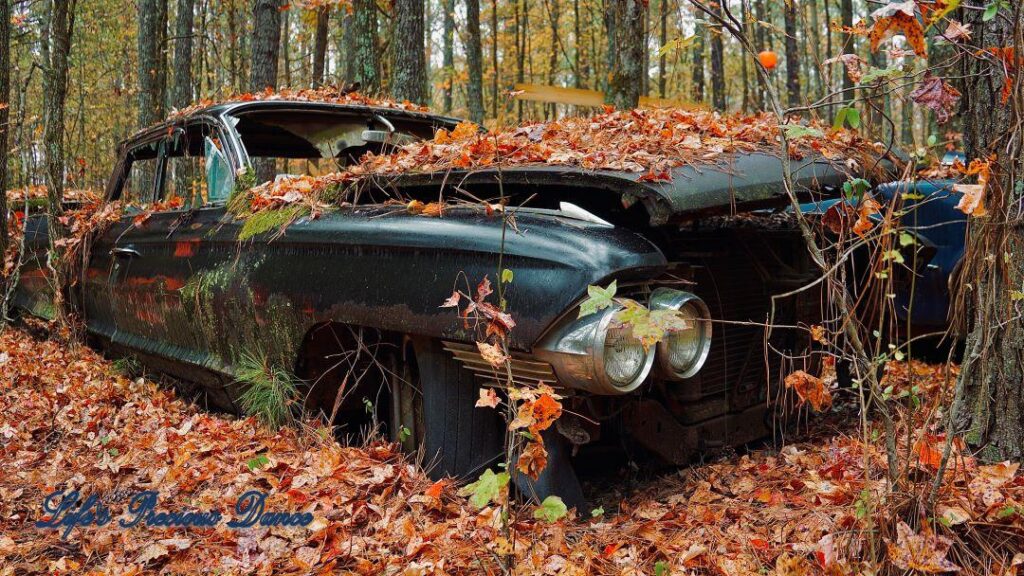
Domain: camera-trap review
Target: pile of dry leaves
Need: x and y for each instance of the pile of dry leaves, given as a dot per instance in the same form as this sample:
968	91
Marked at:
325	94
68	420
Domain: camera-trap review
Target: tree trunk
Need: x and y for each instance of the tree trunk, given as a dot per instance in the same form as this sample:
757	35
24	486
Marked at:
993	367
792	57
718	96
162	59
849	43
448	49
365	59
182	96
5	98
61	25
266	40
554	14
323	19
626	19
409	68
286	48
494	58
475	63
663	58
760	44
149	62
699	47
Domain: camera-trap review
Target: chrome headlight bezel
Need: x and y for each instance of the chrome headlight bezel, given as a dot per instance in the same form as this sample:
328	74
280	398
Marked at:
671	299
576	350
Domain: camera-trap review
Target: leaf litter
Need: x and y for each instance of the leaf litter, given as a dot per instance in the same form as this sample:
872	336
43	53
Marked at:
69	420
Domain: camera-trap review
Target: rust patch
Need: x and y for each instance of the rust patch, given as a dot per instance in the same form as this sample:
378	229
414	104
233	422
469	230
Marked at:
186	248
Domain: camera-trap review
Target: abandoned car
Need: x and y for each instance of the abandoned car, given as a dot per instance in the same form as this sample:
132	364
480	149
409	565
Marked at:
350	301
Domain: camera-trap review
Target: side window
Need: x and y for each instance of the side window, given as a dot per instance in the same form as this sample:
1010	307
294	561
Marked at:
139	183
196	172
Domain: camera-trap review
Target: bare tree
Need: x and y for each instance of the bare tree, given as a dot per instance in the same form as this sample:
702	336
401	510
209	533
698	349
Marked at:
993	272
792	56
5	98
150	98
323	20
182	95
365	60
625	21
266	40
448	50
475	62
718	97
697	71
408	64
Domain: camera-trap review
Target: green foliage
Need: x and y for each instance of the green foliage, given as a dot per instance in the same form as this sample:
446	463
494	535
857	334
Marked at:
855	189
875	75
597	299
128	366
552	509
257	463
847	115
270	391
486	489
795	131
597	512
507	276
992	9
661	568
268	220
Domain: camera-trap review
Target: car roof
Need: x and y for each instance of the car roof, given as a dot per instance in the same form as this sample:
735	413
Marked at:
231	107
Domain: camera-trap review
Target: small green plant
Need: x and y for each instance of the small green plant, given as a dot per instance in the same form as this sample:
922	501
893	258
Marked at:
271	220
270	391
128	366
552	509
257	463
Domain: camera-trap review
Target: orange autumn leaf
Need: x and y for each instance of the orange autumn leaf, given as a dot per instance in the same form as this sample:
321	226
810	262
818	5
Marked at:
810	389
972	202
868	208
435	489
533	460
898	18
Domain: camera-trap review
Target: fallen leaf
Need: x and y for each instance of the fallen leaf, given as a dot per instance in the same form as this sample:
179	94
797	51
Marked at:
810	389
921	552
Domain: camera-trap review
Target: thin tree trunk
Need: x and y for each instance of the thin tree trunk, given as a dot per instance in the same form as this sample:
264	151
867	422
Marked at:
761	44
266	31
555	15
718	96
697	72
61	26
626	19
578	77
744	69
494	58
408	67
366	62
323	19
182	96
448	49
286	48
5	99
663	59
815	49
475	62
993	367
849	42
162	57
792	57
149	62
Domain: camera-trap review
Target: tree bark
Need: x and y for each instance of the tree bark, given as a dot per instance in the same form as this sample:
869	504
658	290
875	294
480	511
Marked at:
182	96
494	58
162	59
626	19
448	49
323	19
408	68
792	57
266	40
5	98
849	42
663	58
993	367
365	59
149	62
475	62
760	44
697	87
718	96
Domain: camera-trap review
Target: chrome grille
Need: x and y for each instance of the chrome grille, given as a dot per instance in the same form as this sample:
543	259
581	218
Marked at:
525	369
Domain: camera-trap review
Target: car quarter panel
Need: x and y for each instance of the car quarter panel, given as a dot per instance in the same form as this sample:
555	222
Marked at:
378	267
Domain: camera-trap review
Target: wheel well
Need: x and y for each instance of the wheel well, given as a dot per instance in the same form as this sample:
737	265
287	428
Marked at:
348	372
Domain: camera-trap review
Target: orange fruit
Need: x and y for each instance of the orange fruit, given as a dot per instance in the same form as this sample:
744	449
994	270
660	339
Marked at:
768	59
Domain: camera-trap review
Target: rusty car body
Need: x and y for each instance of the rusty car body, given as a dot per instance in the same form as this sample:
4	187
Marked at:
357	291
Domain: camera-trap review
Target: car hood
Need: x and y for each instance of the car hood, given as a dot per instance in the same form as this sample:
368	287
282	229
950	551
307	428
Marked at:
736	182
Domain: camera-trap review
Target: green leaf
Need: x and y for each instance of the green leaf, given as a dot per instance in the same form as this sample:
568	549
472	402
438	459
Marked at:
991	10
949	6
677	44
506	276
794	131
1006	512
257	462
1016	295
597	299
853	118
552	509
906	239
486	488
933	140
661	568
599	511
893	255
877	74
840	120
847	115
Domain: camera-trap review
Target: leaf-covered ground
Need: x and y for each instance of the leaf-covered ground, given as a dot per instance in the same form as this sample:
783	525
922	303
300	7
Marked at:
68	420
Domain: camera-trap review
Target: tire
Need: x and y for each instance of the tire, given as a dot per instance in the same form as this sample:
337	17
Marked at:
458	439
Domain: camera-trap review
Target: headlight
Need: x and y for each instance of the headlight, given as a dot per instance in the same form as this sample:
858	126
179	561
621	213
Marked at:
682	353
596	355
